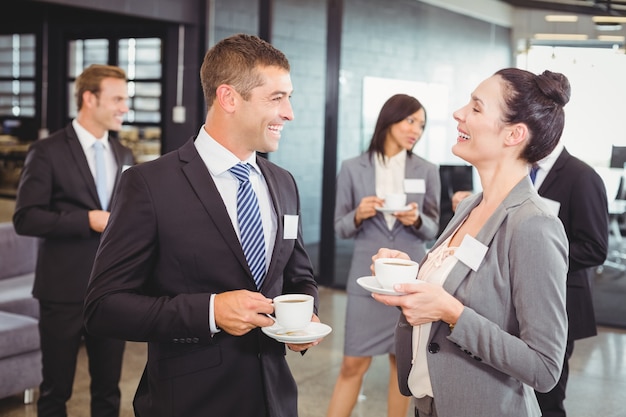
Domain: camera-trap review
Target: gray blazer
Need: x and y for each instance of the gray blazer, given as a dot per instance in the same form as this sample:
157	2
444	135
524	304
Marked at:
510	338
357	179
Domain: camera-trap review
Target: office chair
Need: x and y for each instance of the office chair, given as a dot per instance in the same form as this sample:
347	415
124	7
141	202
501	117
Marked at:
618	157
453	178
616	257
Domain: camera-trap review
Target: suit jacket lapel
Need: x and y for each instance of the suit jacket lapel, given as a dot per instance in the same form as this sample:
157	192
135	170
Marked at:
200	180
80	158
119	160
272	186
368	175
554	173
518	194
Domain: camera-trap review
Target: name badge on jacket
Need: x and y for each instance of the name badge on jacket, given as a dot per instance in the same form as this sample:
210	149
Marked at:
471	252
291	226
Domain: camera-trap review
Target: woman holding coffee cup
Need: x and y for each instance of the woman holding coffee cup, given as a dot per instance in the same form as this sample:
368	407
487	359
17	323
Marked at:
388	167
489	325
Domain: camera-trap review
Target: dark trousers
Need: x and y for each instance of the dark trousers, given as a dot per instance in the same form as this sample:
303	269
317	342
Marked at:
551	402
61	331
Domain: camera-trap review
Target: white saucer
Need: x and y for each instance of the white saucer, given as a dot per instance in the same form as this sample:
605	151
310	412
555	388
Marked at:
371	284
309	334
393	210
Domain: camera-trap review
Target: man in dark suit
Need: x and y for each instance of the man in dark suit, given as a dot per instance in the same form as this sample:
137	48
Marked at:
58	201
578	193
171	270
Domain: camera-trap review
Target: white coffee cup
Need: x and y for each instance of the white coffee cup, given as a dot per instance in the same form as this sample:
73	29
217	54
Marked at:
293	311
395	200
391	271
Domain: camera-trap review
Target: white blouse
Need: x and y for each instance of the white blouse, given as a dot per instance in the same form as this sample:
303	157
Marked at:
434	270
389	173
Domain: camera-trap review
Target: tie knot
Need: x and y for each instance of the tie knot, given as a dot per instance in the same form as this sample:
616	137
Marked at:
98	145
533	172
241	171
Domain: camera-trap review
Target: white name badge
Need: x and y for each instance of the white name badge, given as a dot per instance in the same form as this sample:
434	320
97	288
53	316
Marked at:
291	226
471	252
554	206
414	186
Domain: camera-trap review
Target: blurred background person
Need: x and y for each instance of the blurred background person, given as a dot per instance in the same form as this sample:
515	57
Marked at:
388	166
488	323
64	199
578	195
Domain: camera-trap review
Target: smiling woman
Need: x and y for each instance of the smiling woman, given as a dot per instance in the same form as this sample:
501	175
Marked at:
477	278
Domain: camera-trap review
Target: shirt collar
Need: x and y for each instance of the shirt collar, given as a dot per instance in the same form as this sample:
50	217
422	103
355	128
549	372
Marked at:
217	158
86	139
397	159
547	162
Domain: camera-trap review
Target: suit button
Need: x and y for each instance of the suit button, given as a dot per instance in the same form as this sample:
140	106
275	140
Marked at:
188	340
433	347
175	340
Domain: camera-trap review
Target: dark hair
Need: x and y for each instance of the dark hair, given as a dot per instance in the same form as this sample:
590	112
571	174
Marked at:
537	101
397	108
91	80
234	60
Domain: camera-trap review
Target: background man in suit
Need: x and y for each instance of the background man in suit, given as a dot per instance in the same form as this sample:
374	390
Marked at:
581	194
58	201
171	270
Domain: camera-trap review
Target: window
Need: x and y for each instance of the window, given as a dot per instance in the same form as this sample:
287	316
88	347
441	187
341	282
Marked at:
17	75
141	59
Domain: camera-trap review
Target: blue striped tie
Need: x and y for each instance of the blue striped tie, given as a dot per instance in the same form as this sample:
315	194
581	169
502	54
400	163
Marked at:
101	175
533	172
250	225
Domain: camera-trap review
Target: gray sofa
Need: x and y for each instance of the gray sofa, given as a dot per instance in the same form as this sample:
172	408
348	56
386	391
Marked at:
20	354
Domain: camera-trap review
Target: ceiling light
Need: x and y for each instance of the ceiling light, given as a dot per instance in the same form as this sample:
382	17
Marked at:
561	18
608	38
560	37
608	19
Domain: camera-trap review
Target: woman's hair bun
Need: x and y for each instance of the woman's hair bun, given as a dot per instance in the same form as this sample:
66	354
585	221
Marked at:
555	86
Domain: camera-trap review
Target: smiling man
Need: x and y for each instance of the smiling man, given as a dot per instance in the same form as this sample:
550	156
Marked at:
176	268
63	198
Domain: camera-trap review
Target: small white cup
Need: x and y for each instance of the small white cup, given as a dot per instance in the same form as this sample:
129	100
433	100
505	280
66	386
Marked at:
395	201
391	271
293	311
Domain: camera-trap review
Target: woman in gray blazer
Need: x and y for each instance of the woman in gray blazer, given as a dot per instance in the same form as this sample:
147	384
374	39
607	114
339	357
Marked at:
389	166
489	325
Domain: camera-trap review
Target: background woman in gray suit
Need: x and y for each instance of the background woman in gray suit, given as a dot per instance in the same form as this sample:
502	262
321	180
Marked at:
389	166
489	325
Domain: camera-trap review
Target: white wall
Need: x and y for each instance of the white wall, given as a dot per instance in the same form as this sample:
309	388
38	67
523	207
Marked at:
594	116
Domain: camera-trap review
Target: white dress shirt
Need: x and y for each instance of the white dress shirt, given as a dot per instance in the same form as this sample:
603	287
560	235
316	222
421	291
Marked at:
218	161
546	164
87	141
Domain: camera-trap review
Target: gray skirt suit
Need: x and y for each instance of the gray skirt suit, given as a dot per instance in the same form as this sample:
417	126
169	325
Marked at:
369	325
